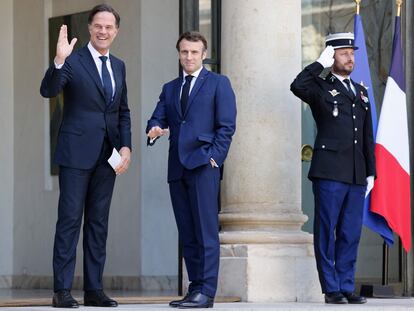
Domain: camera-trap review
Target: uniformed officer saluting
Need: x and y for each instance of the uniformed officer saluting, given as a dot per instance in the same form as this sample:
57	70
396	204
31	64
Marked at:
343	163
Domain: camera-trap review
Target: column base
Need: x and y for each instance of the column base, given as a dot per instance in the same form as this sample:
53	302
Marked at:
269	273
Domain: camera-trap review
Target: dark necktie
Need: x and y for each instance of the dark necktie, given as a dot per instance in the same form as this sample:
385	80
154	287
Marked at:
185	93
106	81
348	87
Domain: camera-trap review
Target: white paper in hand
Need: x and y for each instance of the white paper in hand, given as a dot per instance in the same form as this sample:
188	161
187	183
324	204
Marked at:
115	159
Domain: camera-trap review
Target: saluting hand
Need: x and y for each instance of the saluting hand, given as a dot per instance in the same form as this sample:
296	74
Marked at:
63	48
327	57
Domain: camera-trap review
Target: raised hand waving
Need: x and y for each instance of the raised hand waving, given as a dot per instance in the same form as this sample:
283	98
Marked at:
63	48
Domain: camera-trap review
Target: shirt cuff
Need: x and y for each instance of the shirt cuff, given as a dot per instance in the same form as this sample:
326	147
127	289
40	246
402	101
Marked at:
58	66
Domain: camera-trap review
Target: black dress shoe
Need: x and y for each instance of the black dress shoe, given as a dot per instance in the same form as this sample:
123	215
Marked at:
63	299
354	298
98	298
197	300
335	298
175	303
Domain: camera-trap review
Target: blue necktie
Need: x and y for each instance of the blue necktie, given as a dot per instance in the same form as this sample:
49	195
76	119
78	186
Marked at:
348	84
185	93
106	81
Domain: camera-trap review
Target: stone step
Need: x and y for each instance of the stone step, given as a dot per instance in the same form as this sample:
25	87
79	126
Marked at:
403	304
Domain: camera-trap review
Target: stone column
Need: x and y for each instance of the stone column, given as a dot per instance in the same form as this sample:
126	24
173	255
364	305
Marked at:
7	148
265	257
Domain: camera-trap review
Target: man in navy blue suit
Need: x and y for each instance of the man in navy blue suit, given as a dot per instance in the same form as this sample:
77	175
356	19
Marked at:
343	163
199	110
96	119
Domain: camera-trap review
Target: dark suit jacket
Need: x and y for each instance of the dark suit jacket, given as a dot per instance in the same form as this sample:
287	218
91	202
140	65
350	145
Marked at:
344	145
205	130
86	117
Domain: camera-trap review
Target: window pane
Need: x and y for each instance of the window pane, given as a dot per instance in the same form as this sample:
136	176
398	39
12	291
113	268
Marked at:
205	15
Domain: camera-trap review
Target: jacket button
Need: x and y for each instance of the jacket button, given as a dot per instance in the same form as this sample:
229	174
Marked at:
355	141
353	105
183	122
354	116
356	129
323	146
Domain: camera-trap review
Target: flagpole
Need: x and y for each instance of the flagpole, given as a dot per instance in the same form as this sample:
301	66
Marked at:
399	4
403	253
383	289
358	2
385	259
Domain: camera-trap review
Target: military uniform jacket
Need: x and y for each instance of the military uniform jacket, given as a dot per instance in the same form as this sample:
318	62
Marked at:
344	145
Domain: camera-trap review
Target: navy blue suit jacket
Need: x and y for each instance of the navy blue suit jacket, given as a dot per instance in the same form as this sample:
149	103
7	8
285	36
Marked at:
86	117
344	145
206	128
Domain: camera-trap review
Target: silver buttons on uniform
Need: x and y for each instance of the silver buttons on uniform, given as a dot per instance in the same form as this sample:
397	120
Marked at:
335	111
355	141
356	129
323	146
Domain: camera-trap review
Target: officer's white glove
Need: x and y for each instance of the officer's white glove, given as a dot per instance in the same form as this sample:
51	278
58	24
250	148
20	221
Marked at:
370	185
326	59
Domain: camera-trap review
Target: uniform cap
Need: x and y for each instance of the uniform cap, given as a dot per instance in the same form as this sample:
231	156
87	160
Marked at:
341	40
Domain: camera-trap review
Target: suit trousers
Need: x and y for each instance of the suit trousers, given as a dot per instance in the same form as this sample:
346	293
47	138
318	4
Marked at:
195	202
85	193
337	230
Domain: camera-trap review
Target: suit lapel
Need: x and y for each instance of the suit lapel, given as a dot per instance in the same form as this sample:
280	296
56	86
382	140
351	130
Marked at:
359	89
176	95
89	64
199	82
117	71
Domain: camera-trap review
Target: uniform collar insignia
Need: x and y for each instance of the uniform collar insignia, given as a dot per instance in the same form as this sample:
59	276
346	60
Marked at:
334	92
363	85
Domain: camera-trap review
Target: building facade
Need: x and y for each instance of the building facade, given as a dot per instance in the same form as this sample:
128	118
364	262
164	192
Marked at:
267	252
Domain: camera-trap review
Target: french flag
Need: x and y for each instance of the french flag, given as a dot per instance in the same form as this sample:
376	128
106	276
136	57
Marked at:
361	74
390	196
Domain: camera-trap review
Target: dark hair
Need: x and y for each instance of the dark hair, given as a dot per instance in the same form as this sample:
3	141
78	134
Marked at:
103	8
192	36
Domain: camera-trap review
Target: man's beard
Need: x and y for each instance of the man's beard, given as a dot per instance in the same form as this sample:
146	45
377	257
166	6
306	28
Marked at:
342	71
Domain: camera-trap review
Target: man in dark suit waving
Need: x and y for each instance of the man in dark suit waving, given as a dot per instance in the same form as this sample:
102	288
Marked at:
96	119
199	109
343	163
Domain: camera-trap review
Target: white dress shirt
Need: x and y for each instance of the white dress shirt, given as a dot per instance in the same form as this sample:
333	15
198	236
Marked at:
342	78
195	75
95	55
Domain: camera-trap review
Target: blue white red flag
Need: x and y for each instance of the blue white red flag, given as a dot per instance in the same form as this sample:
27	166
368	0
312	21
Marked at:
391	192
362	75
